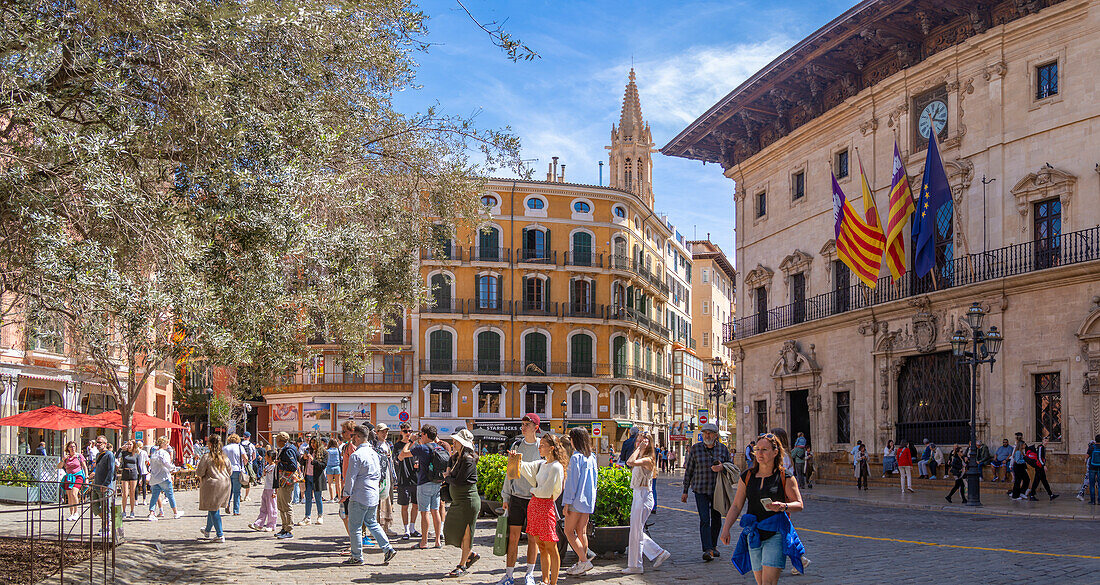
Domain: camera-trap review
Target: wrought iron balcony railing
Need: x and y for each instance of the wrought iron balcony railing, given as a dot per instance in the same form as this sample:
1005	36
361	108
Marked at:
1032	256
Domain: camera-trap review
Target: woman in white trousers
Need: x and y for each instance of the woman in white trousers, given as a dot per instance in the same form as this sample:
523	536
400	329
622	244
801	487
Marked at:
642	463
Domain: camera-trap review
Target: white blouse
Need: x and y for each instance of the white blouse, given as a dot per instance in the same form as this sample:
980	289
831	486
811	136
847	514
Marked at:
547	478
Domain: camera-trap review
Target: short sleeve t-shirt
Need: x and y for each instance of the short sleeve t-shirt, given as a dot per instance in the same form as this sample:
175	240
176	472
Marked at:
423	456
234	453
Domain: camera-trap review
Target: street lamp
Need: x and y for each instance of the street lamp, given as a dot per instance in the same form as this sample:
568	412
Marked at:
718	381
247	410
983	348
209	399
404	404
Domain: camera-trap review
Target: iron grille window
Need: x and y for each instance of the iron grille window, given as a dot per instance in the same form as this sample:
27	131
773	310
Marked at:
761	204
843	417
1048	406
1048	231
1047	76
488	352
439	351
841	165
933	400
761	417
842	287
798	185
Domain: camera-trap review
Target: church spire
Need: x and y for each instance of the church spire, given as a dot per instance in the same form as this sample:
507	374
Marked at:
631	147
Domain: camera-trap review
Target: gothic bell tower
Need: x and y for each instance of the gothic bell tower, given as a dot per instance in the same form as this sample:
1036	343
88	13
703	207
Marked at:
631	148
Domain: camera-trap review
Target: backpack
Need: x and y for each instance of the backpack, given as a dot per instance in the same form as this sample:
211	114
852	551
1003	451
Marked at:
1094	456
1032	458
438	460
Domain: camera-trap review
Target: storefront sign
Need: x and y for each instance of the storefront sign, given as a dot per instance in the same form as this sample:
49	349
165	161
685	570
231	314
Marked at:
508	427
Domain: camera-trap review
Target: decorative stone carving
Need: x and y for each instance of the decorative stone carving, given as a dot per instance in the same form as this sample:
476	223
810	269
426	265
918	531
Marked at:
759	276
868	126
1089	334
888	376
1046	183
797	261
925	330
828	252
896	116
796	370
995	71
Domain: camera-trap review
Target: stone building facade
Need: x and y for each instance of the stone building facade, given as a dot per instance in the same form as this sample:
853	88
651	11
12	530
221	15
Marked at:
1013	92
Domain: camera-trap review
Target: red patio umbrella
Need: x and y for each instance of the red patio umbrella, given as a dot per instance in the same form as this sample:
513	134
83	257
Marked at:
175	440
55	418
141	421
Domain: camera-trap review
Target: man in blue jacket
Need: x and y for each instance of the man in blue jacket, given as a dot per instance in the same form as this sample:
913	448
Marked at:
104	483
286	465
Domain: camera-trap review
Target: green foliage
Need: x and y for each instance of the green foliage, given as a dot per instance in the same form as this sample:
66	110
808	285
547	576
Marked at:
220	410
233	169
9	476
613	497
491	470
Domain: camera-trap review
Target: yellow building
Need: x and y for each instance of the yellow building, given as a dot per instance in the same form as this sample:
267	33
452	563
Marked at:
554	306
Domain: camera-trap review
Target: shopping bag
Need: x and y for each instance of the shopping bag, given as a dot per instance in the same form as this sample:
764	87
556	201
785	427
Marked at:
500	541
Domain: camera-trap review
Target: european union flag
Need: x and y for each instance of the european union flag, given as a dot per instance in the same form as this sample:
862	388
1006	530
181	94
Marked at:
935	192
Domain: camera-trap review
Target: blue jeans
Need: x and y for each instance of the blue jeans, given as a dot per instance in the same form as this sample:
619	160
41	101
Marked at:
297	498
235	491
312	495
653	488
358	515
710	522
1094	484
214	521
166	487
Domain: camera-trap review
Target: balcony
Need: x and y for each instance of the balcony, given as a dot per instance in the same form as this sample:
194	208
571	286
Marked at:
394	337
488	307
640	271
627	314
397	382
584	259
585	310
452	306
1017	259
537	256
484	254
536	368
546	308
450	252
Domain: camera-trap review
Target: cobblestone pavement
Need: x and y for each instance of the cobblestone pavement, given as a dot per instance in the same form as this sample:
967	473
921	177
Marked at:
848	543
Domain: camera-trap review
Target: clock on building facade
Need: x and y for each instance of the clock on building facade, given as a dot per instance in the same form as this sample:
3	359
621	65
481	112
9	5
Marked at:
929	112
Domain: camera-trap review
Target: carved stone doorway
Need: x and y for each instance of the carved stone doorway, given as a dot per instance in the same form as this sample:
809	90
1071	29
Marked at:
799	409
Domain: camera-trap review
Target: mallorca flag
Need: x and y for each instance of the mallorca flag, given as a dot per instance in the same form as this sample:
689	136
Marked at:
901	208
858	245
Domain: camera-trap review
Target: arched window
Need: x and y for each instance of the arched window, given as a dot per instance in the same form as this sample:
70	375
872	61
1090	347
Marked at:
581	296
581	401
582	207
618	404
621	260
536	294
534	354
441	292
535	203
618	356
488	352
628	176
619	211
440	351
535	244
489	201
582	248
580	356
488	292
488	244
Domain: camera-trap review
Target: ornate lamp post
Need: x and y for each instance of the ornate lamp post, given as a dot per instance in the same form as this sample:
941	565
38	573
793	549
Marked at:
564	415
718	381
979	348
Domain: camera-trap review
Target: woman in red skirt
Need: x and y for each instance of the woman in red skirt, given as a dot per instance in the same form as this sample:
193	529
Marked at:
546	477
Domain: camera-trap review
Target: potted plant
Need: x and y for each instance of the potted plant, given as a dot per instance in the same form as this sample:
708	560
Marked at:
490	479
609	525
14	484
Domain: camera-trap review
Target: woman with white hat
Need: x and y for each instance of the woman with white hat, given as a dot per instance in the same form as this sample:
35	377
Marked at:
458	528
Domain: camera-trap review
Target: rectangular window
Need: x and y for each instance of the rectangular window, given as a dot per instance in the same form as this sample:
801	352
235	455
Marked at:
798	185
706	308
441	398
705	274
843	418
761	309
798	297
761	204
840	165
1048	406
1047	77
761	417
488	398
842	287
393	369
535	398
706	340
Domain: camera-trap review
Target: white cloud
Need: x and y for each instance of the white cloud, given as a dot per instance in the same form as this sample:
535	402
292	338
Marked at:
677	89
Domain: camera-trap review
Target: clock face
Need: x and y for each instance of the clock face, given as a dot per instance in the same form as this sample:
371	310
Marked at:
935	113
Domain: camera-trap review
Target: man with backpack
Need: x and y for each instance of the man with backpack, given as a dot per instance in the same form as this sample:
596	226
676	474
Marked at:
285	479
516	495
1093	458
432	461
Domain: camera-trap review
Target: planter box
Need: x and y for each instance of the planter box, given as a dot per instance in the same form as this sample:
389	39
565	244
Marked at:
11	493
609	539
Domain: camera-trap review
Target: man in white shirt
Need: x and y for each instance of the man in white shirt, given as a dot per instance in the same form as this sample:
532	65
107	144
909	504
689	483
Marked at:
249	451
361	497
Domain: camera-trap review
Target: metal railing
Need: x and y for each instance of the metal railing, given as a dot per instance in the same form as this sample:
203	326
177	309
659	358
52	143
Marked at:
584	259
492	306
495	367
62	538
537	308
1032	256
486	254
537	255
450	251
586	310
624	313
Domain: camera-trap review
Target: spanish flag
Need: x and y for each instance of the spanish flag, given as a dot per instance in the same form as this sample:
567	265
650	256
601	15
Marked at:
901	209
858	245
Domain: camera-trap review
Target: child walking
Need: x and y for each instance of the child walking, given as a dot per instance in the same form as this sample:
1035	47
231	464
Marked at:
267	518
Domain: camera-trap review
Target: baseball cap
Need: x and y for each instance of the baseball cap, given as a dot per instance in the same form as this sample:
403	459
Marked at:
247	434
381	427
534	418
709	427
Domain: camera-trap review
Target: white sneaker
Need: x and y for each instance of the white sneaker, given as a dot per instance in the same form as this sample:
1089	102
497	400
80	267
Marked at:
303	522
221	539
152	517
73	517
572	570
585	567
179	515
269	529
805	565
633	571
661	558
529	579
320	520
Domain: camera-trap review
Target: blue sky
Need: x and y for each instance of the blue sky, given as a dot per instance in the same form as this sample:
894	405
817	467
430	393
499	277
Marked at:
687	55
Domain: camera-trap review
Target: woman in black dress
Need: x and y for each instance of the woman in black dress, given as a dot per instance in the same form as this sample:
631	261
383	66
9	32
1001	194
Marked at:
128	465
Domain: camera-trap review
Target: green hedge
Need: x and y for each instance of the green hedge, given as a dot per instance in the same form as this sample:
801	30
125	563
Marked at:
613	493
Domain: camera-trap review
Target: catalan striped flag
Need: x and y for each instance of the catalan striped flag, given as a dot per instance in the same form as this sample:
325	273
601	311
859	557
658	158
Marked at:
858	245
901	209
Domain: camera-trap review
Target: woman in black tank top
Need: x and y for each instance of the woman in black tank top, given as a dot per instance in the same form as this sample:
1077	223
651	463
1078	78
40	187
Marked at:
764	481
